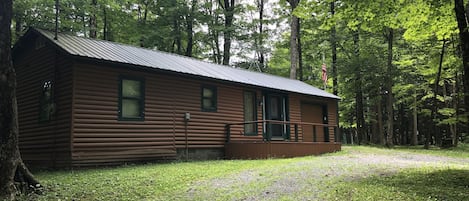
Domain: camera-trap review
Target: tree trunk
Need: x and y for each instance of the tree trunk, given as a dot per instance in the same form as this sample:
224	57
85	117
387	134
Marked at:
382	139
177	35
449	104
358	91
10	159
389	94
374	125
190	24
414	140
456	108
229	12
93	23
402	139
335	87
214	33
462	17
105	26
294	55
260	45
300	54
434	113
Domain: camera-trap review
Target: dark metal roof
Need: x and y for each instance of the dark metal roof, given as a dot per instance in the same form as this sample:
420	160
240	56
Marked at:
115	52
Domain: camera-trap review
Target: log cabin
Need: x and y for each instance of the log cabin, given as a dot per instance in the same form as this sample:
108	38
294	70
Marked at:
88	102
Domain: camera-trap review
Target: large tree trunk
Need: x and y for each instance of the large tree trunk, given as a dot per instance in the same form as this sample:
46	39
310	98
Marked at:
294	55
214	33
462	17
190	24
10	159
300	54
389	94
260	43
358	91
335	87
229	12
93	21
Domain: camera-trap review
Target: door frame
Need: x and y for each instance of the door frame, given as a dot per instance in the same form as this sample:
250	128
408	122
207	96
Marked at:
284	112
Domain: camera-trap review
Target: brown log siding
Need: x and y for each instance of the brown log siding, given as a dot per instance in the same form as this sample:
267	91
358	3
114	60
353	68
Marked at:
86	129
98	136
44	143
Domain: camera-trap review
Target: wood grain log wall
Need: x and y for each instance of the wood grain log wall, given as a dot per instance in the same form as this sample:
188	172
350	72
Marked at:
45	144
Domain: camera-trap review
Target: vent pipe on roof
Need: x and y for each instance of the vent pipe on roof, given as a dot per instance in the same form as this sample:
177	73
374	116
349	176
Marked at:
56	19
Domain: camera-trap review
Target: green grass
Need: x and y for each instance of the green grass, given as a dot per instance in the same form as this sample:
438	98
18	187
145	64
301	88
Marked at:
137	182
416	184
242	179
462	151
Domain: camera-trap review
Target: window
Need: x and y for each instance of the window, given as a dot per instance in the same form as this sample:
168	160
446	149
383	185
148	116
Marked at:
250	113
131	99
209	99
46	104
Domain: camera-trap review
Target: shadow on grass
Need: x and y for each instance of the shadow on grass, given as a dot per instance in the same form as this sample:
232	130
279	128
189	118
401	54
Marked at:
416	184
450	184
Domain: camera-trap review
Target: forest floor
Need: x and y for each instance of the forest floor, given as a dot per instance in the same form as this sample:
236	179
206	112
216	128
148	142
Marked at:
356	173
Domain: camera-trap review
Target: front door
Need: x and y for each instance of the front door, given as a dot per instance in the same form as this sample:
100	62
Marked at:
276	110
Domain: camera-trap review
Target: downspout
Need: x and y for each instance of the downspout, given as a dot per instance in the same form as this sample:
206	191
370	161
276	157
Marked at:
264	132
187	117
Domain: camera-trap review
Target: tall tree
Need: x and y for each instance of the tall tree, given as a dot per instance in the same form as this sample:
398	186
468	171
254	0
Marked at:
333	41
294	52
11	163
228	7
462	17
362	138
190	31
389	93
260	39
93	21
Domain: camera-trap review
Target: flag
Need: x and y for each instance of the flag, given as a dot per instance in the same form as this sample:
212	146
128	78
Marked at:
324	73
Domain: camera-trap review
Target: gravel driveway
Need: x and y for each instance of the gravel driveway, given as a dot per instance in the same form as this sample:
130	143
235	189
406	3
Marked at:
312	175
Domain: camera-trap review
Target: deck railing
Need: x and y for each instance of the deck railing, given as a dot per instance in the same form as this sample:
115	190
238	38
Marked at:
288	124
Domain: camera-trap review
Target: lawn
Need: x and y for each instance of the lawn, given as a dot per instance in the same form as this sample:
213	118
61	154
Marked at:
356	173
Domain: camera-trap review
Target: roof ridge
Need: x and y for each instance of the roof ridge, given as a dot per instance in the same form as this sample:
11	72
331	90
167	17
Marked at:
163	52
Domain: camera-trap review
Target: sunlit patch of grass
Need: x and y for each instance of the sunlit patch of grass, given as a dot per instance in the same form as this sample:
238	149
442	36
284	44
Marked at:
461	151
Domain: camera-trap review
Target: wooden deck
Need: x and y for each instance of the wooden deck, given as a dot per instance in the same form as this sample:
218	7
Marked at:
277	149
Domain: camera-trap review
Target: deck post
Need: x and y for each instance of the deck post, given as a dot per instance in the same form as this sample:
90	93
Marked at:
314	133
228	132
296	132
335	134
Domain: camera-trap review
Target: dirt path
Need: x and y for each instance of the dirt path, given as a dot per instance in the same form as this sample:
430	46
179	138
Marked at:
311	177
